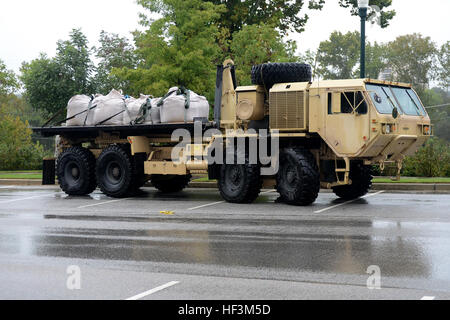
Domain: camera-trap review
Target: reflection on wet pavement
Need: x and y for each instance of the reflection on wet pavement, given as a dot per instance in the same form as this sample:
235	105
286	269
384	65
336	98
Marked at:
226	237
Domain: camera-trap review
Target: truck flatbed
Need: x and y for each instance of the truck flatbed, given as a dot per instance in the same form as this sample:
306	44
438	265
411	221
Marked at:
123	131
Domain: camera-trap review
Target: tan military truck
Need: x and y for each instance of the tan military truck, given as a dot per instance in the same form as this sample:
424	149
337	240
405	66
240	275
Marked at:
324	134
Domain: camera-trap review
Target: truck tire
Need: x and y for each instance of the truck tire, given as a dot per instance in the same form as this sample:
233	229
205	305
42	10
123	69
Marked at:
170	183
75	170
298	179
361	177
240	183
268	74
114	172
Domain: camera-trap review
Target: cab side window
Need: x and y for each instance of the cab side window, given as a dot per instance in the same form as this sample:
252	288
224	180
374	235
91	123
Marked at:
353	101
347	99
330	103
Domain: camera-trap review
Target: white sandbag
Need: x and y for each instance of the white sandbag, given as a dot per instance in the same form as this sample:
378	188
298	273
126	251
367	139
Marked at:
76	106
111	105
173	108
136	111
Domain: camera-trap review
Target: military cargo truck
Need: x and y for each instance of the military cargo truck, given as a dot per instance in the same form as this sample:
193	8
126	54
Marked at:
322	134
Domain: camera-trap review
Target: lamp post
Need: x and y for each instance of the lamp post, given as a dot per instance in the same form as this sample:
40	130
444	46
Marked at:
363	5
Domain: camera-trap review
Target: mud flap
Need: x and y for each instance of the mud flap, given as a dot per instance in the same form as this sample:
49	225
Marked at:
48	171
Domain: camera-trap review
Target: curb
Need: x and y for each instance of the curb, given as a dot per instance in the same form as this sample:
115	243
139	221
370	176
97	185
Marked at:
428	187
21	182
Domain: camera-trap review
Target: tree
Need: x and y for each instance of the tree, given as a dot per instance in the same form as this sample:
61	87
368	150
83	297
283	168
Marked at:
17	151
177	49
439	115
8	80
339	55
115	52
443	73
375	60
16	106
385	16
412	58
284	15
51	82
73	57
256	44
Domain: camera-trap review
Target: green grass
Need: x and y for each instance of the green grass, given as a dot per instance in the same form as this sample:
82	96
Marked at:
22	174
412	180
204	179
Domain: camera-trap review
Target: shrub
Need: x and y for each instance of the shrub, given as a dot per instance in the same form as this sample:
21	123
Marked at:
431	160
17	151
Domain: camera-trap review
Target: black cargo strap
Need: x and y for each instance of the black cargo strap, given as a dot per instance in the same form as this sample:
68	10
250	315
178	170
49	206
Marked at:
54	117
144	111
187	103
88	110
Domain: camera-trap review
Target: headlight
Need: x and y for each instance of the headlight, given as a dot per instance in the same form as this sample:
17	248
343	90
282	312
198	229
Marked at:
387	128
426	130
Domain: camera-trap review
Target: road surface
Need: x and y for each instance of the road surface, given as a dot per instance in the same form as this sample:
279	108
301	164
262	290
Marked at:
192	245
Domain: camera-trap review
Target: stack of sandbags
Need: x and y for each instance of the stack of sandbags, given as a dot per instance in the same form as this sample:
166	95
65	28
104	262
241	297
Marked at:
109	109
141	111
181	105
77	111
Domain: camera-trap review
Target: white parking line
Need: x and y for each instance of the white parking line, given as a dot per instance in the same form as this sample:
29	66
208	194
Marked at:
428	298
343	203
27	198
149	292
5	187
99	204
219	202
206	205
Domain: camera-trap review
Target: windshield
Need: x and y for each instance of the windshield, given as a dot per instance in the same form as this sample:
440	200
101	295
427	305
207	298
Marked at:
386	97
382	98
416	99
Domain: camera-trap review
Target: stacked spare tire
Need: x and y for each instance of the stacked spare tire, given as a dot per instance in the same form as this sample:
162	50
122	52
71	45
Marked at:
115	109
268	74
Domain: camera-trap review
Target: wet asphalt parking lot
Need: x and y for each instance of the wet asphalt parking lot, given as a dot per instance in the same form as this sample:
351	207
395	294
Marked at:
200	247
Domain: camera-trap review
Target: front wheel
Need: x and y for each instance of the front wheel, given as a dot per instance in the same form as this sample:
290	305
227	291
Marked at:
361	177
240	183
298	179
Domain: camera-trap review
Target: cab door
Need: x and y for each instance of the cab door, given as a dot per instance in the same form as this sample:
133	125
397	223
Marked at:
347	121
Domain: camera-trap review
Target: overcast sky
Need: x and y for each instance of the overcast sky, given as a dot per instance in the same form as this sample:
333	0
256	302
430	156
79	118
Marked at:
28	27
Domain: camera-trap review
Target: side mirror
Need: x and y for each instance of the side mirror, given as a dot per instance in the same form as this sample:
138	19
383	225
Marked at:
395	113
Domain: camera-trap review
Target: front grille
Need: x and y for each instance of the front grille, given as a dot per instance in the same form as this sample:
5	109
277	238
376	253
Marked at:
287	110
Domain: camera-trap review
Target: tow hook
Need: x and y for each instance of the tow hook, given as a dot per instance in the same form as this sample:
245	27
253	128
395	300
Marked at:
381	165
399	169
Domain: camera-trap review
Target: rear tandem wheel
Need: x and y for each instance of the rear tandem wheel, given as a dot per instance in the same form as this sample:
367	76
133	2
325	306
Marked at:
75	170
